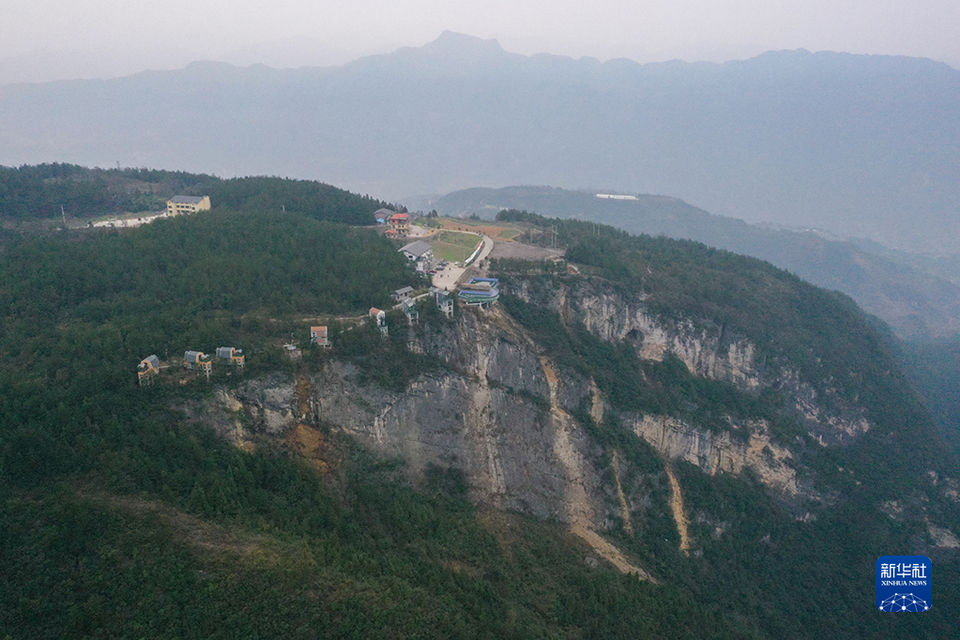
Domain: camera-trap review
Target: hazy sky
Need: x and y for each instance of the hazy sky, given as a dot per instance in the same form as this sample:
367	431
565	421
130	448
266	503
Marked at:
50	39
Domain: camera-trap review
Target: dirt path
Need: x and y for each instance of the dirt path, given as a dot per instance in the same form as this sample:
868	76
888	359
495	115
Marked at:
609	552
679	515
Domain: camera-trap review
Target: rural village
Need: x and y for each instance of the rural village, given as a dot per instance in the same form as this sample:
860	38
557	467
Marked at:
449	255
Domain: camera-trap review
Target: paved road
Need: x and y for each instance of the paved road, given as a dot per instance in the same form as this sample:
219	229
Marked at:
448	278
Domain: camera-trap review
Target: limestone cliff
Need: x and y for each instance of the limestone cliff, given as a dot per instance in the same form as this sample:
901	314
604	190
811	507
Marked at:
503	413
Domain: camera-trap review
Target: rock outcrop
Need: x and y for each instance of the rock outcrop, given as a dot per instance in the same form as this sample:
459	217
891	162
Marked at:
503	413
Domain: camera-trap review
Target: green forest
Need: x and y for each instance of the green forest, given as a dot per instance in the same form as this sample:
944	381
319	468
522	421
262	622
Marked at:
844	352
118	518
54	190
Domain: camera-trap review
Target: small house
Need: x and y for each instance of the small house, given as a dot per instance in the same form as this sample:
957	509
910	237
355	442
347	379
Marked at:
409	307
198	361
319	337
231	356
400	222
443	299
147	370
380	317
402	294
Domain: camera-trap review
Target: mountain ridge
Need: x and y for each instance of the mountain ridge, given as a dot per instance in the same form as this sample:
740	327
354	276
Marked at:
860	145
915	304
742	436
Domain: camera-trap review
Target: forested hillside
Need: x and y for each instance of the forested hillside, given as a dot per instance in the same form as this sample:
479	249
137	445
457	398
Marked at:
123	514
821	334
80	312
39	192
890	285
99	476
922	309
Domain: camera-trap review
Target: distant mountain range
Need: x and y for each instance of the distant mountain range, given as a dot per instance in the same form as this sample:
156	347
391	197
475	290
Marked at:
917	305
858	145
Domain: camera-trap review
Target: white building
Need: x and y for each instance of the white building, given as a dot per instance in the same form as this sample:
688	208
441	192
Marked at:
419	252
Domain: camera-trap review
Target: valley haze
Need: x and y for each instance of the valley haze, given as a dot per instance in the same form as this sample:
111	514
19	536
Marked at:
859	145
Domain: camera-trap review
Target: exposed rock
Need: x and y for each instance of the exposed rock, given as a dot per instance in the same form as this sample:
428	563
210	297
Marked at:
943	538
502	412
707	353
715	453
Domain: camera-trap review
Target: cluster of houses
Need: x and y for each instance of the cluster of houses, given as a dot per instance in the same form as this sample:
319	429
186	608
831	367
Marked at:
149	367
479	291
320	335
398	223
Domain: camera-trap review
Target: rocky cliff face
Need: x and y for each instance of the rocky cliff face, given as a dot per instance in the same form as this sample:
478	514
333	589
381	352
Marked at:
502	412
707	350
498	413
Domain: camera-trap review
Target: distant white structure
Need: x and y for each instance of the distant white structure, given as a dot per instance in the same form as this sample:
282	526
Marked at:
613	196
185	205
130	222
380	316
420	253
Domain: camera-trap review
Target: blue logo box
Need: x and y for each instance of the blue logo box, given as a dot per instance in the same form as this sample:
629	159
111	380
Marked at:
904	584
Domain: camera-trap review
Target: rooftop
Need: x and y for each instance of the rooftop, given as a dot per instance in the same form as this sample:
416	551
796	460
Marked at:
417	248
186	199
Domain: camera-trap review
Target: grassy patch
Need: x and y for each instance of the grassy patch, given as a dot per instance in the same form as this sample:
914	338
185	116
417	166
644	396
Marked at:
453	246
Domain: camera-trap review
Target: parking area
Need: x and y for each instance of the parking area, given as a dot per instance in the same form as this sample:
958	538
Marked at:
448	277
